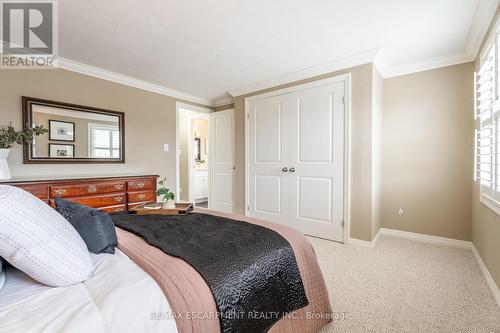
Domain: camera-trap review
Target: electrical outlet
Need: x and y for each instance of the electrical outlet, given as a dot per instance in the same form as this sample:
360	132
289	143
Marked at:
401	212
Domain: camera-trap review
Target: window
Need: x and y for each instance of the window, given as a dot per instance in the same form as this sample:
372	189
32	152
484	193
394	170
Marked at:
488	116
104	141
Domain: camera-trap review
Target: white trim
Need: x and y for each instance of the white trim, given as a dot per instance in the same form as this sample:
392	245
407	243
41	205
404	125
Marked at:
376	57
299	87
484	16
330	67
487	276
223	101
426	238
389	71
489	203
359	242
347	138
104	74
190	107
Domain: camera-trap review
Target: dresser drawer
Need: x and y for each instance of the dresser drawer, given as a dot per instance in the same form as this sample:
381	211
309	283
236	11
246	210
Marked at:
98	201
141	184
39	191
86	189
144	196
114	209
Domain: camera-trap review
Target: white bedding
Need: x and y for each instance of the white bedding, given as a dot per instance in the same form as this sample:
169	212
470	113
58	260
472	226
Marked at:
120	297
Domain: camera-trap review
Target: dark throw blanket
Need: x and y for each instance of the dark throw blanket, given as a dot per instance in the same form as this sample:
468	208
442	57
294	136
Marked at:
250	269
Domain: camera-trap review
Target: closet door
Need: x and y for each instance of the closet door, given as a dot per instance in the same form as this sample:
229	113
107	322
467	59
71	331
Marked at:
316	170
268	156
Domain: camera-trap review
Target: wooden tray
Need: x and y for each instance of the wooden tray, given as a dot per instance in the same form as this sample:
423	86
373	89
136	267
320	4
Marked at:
180	209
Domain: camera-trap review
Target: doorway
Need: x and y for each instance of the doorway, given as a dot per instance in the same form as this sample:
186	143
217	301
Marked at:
193	129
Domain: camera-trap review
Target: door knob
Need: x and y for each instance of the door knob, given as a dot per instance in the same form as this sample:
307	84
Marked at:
285	169
292	169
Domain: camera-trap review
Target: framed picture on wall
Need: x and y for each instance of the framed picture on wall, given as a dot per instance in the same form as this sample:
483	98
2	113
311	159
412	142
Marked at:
61	151
61	130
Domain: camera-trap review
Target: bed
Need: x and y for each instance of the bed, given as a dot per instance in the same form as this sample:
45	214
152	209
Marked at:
119	298
142	289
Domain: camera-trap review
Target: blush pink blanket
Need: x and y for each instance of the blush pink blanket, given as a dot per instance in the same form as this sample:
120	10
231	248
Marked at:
192	301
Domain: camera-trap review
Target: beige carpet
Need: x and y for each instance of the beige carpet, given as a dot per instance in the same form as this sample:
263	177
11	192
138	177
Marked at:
405	286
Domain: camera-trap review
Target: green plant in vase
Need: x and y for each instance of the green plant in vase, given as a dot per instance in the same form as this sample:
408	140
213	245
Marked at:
8	137
166	196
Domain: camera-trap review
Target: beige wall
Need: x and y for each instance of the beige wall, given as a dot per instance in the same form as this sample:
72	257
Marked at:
361	129
149	121
428	152
486	223
377	117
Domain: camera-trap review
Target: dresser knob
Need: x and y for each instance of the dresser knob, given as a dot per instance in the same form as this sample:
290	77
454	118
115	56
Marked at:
60	192
92	189
118	199
141	196
119	187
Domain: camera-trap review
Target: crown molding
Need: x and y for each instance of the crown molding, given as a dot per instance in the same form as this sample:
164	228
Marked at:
482	21
104	74
389	71
223	101
329	67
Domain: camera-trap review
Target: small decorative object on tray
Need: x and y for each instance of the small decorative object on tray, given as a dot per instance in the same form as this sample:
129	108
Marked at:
180	208
165	194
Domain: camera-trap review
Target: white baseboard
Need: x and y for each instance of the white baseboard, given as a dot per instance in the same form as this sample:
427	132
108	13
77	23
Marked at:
426	238
487	276
359	242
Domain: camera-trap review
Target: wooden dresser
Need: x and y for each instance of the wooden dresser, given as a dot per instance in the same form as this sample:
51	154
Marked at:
111	194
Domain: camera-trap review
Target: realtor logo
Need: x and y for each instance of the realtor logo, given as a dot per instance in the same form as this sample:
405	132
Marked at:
29	34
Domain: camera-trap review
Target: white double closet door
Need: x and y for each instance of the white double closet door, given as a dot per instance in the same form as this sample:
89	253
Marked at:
296	159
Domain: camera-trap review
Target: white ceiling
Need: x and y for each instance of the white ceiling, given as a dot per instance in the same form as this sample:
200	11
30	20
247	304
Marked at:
207	48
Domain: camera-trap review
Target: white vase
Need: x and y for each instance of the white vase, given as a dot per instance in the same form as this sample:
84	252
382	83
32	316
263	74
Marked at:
4	165
169	204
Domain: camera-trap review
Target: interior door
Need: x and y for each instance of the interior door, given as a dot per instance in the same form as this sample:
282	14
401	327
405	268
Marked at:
317	161
222	163
268	183
296	159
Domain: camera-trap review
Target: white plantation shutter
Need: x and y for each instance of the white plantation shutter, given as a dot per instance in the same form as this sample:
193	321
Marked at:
488	134
104	141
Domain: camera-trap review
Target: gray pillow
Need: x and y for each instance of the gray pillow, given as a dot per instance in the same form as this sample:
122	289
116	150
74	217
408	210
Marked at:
94	226
2	273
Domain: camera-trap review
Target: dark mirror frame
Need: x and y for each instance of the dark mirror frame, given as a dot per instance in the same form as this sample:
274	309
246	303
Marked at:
27	104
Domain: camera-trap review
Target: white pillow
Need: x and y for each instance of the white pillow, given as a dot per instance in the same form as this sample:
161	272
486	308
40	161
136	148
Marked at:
39	241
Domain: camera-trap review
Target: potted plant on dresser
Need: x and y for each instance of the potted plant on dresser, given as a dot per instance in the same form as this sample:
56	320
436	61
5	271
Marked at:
8	137
166	196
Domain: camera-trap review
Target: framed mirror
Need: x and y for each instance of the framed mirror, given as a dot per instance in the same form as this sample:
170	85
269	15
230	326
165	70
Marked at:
77	134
